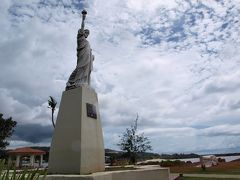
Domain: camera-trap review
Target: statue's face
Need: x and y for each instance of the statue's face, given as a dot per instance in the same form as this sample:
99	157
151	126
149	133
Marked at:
86	33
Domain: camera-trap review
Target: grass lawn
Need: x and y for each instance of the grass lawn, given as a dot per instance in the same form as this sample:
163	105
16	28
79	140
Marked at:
223	168
201	178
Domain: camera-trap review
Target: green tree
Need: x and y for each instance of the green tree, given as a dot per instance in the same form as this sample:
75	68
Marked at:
52	105
132	142
6	130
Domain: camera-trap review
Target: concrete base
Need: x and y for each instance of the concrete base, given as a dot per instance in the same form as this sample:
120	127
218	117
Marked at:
77	144
152	173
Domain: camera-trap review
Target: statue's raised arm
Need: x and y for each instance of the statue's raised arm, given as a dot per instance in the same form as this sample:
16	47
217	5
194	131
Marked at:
84	13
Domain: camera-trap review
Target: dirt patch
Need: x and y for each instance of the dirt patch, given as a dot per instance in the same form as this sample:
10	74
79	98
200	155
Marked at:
222	168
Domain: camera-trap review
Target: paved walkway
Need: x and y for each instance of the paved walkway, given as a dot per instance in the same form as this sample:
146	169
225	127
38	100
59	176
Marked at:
173	176
209	175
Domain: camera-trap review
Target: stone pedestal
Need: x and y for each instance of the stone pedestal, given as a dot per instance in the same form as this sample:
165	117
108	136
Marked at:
148	173
77	144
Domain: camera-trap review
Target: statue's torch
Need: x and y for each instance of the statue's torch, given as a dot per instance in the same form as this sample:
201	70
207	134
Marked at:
84	13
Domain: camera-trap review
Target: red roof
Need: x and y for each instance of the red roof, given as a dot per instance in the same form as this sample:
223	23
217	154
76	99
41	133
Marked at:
26	150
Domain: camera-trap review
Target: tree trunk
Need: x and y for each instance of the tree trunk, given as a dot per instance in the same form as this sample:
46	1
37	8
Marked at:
53	119
133	158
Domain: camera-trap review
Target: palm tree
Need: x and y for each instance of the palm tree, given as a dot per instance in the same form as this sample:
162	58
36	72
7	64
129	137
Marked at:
52	104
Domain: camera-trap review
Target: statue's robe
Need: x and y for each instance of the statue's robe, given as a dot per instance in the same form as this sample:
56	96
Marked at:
81	74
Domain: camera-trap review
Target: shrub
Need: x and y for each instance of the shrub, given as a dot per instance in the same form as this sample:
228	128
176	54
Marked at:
169	163
203	167
149	163
221	160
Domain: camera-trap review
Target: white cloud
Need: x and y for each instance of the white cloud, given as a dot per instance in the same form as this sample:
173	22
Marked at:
176	67
151	5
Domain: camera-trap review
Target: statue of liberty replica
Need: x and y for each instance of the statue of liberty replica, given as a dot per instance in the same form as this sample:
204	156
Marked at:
81	75
77	143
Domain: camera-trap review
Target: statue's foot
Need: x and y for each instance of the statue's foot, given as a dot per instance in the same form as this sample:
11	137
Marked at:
68	87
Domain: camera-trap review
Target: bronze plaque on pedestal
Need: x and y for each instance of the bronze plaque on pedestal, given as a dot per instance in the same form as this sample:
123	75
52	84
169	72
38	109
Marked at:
91	111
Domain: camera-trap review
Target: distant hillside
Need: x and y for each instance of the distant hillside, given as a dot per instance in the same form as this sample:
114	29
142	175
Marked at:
227	154
141	156
111	151
179	156
43	148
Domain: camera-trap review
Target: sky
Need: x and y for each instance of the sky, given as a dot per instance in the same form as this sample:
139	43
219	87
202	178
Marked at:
175	63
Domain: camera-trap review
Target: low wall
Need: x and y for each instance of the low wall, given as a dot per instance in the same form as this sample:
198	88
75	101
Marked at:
146	173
